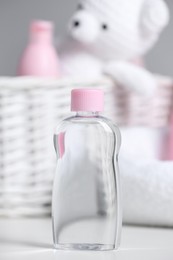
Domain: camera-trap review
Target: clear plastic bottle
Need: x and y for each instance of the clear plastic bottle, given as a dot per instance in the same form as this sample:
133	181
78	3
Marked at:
86	203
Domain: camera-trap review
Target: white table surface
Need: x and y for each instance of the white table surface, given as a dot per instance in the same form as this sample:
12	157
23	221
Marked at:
32	239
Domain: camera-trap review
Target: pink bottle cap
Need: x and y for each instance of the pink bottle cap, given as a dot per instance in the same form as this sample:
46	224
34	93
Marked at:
41	30
88	100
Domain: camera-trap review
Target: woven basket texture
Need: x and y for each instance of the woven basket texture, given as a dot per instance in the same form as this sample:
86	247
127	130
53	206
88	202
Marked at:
30	108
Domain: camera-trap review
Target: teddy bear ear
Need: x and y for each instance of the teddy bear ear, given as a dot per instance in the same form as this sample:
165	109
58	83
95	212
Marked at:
155	16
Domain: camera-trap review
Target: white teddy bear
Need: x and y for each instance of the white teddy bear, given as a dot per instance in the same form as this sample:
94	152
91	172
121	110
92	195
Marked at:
106	35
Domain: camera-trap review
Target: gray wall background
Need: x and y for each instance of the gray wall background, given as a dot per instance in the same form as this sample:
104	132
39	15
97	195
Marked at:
15	16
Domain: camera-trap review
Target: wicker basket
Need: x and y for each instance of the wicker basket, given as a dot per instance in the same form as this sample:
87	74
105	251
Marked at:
29	110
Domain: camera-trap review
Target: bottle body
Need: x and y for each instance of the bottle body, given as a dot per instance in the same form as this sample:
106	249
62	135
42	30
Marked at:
39	60
86	204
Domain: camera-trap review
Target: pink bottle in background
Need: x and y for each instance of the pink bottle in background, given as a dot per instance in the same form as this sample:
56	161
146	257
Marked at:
40	57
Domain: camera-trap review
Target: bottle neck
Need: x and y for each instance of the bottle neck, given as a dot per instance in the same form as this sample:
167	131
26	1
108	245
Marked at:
87	114
41	37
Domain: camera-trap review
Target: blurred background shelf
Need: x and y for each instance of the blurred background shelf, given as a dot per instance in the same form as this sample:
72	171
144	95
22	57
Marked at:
32	239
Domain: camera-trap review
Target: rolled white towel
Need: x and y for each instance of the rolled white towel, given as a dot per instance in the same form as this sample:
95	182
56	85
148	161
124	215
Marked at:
147	182
147	192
